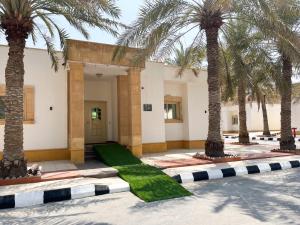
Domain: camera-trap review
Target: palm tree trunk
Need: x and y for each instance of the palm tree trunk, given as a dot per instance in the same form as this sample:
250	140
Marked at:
13	163
265	117
243	131
214	145
287	141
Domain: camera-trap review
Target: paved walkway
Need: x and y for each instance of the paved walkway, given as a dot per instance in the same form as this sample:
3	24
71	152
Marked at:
268	199
183	157
63	169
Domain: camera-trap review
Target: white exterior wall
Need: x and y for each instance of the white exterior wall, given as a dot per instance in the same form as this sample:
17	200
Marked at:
153	130
50	128
295	115
198	110
159	80
105	90
254	117
177	131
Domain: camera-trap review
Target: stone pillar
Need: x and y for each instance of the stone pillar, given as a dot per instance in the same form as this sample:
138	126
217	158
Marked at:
123	112
135	118
76	112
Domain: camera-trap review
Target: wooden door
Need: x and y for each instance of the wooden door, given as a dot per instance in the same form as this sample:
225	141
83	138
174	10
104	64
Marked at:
95	122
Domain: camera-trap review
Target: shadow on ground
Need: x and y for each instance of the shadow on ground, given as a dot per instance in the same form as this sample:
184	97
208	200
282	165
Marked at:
10	217
264	197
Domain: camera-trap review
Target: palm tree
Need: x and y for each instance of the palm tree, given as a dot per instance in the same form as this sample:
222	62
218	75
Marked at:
239	40
288	48
163	23
187	58
248	67
264	89
21	19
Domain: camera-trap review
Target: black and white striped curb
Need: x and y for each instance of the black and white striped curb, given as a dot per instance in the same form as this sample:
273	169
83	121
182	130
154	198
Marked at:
271	139
231	137
212	174
26	199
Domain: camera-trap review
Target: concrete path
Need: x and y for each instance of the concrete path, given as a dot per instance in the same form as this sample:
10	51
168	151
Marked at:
269	199
91	168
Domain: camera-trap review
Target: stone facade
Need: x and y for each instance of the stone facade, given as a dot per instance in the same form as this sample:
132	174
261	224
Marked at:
129	95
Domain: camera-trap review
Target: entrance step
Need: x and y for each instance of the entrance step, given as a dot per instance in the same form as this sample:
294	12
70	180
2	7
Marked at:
89	153
96	169
99	173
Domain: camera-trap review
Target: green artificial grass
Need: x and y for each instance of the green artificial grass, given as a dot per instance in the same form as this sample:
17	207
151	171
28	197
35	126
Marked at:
115	155
147	182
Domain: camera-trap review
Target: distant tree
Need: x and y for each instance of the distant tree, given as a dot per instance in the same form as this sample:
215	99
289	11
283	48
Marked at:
187	58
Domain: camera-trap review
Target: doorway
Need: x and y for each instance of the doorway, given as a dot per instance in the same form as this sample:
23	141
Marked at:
95	114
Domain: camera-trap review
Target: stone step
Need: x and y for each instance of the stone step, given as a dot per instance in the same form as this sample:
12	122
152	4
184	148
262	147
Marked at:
99	173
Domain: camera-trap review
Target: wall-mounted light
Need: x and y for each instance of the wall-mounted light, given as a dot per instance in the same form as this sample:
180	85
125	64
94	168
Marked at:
99	75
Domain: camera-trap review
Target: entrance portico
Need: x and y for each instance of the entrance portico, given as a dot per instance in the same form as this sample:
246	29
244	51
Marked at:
80	56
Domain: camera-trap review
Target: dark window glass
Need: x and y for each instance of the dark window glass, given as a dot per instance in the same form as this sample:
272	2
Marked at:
171	111
2	108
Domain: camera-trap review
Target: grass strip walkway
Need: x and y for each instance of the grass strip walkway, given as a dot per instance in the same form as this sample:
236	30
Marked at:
147	182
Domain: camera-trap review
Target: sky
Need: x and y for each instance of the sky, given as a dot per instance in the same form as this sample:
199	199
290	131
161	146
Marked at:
129	12
129	8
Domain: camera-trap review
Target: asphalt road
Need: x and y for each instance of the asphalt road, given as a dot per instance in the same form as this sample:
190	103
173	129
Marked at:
271	198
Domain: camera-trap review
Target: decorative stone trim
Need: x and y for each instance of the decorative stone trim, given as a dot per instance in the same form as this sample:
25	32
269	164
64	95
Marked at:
27	199
212	174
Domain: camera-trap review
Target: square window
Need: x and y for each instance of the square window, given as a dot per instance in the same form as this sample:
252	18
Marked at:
235	120
171	112
172	109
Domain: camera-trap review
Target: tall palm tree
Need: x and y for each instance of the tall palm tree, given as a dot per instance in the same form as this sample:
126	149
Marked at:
240	39
163	23
21	19
288	48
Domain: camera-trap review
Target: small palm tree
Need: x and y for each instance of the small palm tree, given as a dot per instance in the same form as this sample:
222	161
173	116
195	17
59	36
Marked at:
20	19
264	89
187	58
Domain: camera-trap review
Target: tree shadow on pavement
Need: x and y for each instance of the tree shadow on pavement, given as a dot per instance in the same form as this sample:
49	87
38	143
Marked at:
260	196
265	197
58	213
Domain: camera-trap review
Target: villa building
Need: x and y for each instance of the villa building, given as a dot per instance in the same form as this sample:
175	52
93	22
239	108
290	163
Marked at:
230	117
230	114
146	107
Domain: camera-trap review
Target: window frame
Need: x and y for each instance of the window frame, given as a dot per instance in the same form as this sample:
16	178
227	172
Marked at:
174	100
235	118
29	103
